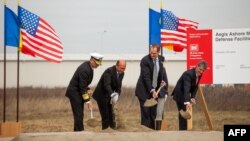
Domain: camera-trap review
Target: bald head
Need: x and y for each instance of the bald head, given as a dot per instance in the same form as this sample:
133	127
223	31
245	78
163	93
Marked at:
121	62
120	65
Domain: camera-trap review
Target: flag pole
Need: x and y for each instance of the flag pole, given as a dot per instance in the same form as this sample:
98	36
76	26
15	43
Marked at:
161	23
4	72
18	72
149	25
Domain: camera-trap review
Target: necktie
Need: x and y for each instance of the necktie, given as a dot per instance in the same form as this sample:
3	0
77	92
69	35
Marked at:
155	75
197	79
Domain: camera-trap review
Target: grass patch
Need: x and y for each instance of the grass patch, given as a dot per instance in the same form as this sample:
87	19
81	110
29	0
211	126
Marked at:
47	110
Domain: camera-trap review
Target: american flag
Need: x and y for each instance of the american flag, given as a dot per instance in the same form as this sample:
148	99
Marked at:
174	29
38	37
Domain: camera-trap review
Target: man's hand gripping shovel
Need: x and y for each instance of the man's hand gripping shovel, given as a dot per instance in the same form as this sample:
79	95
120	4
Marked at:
152	102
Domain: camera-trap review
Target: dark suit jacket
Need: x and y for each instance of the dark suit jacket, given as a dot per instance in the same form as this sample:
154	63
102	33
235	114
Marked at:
185	86
144	83
80	81
108	84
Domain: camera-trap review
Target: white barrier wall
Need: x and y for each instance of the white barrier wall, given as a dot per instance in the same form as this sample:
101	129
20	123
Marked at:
37	73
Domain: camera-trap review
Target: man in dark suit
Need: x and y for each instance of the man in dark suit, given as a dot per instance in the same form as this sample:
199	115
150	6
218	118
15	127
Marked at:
78	90
108	91
150	78
185	90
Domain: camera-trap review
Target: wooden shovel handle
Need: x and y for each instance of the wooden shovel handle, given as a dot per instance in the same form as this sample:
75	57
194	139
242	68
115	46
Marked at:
162	85
91	113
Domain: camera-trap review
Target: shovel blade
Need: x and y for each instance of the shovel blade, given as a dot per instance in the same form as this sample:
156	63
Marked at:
185	114
150	102
93	122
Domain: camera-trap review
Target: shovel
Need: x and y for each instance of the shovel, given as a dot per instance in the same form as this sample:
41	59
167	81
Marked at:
92	122
185	114
152	102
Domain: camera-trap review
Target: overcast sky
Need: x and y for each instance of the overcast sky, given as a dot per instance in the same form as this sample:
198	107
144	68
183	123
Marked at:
121	26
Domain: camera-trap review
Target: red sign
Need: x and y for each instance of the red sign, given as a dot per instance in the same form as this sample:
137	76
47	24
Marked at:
199	47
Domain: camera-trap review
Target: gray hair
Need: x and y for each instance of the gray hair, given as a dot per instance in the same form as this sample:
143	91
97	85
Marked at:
202	63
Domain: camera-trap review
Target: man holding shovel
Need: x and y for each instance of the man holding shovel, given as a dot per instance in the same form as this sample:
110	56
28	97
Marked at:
148	83
78	91
185	91
107	92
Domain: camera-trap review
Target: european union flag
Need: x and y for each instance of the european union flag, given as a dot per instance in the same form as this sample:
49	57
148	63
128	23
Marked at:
11	28
154	27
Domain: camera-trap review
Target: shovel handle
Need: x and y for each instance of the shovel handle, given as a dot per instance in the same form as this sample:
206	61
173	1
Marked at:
91	113
162	85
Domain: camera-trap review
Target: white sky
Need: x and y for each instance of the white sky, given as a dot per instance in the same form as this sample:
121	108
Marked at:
121	26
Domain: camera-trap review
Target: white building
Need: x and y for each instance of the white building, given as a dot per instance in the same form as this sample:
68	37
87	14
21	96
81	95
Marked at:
40	73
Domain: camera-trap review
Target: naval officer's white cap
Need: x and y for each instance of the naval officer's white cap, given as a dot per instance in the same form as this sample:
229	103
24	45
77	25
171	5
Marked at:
97	57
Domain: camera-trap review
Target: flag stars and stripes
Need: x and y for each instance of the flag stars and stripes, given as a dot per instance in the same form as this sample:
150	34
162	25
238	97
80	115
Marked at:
29	21
39	38
173	30
170	21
